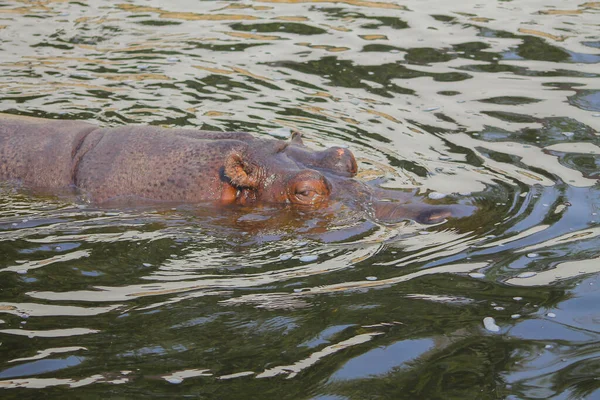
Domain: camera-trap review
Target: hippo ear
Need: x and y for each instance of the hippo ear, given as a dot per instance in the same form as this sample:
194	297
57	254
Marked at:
240	172
297	137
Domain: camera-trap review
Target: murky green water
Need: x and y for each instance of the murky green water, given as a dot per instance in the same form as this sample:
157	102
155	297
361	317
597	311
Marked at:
491	103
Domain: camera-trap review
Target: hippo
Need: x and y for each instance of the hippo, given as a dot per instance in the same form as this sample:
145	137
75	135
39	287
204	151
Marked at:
150	163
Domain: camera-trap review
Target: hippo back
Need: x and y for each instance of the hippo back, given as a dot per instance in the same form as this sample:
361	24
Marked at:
39	153
153	163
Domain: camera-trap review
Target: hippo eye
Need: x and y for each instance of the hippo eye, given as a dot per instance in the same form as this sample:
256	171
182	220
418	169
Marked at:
306	192
307	195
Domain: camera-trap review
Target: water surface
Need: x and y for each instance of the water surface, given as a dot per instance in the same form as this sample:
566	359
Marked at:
494	104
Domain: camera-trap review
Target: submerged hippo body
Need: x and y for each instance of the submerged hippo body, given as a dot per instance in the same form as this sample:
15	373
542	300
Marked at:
185	166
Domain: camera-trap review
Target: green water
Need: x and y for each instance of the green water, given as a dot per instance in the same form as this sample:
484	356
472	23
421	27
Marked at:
494	104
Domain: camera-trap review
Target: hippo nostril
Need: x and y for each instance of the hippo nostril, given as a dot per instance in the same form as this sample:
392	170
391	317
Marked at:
352	166
340	160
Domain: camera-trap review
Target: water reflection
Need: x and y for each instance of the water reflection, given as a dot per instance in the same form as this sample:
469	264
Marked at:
491	104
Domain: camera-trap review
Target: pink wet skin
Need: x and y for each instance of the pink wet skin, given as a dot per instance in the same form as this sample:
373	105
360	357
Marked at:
150	163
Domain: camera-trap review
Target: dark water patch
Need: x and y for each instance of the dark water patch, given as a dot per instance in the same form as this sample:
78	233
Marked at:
344	73
510	116
383	48
287	27
443	18
587	164
307	85
391	22
553	130
38	16
153	22
449	93
475	51
107	33
427	56
502	157
494	33
50	115
510	100
21	99
534	48
54	45
102	70
563	85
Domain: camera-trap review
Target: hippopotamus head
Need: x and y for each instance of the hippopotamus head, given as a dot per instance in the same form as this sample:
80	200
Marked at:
284	172
291	173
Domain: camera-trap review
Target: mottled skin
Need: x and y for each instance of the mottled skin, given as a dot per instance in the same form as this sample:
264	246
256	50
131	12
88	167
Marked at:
185	166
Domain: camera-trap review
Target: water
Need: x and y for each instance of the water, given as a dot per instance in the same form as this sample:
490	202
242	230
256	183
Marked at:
490	103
